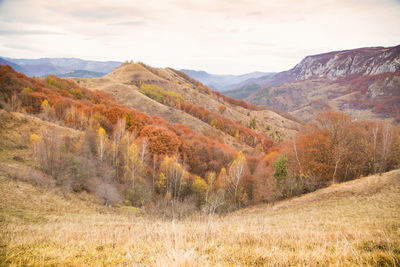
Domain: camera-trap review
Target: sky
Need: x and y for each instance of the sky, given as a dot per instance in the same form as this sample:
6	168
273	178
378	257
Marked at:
218	36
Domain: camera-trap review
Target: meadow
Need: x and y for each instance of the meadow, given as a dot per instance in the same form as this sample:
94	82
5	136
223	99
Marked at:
354	223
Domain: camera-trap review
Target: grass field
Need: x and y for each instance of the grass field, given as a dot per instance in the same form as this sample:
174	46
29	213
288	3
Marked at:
356	223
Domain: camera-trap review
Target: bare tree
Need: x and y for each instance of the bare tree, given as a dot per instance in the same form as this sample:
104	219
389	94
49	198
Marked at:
48	151
119	133
386	146
102	141
236	172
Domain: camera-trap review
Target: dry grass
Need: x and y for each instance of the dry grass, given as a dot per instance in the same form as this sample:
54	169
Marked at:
357	223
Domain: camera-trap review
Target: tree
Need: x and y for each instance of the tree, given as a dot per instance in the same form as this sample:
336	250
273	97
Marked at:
222	179
236	172
160	141
49	152
175	176
280	168
34	139
375	140
200	188
119	133
102	136
253	123
46	108
386	147
221	109
134	163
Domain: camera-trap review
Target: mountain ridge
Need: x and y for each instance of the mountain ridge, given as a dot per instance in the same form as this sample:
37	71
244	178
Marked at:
362	82
60	66
222	82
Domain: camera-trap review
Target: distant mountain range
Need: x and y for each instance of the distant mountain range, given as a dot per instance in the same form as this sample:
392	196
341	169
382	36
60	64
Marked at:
81	74
62	67
224	82
363	82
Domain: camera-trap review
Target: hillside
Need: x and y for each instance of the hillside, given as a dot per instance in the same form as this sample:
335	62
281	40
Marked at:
355	223
13	65
121	153
361	82
126	82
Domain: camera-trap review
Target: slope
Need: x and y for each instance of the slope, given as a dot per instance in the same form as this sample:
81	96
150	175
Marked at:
126	84
356	223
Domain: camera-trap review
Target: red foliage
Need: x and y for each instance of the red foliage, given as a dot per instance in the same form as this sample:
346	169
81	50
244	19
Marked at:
161	140
234	129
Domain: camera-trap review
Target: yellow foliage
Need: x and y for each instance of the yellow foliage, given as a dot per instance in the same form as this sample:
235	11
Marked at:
222	179
34	138
101	132
161	182
200	188
175	175
45	105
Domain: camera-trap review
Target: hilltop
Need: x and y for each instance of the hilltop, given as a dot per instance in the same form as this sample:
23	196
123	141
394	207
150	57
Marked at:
126	84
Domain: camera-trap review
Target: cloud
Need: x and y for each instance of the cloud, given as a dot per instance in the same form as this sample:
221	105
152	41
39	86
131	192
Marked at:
20	47
255	13
221	36
29	32
128	23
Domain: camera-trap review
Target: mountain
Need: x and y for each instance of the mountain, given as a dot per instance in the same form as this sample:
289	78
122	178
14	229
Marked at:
12	65
45	66
362	82
81	74
223	82
41	69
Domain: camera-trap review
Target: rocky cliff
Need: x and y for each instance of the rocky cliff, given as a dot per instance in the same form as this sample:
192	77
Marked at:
364	82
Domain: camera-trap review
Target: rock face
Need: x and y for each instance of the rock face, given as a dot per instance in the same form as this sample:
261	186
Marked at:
363	82
333	65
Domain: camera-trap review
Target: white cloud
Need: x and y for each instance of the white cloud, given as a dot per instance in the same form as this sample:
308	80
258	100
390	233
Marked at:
220	36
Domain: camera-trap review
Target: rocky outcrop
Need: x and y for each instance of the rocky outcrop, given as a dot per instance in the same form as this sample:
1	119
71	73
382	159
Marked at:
333	65
364	82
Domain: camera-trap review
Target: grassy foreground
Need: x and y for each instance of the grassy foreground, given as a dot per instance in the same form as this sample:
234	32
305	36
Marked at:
356	223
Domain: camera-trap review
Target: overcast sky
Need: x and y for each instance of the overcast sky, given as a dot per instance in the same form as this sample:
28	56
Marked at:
219	36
